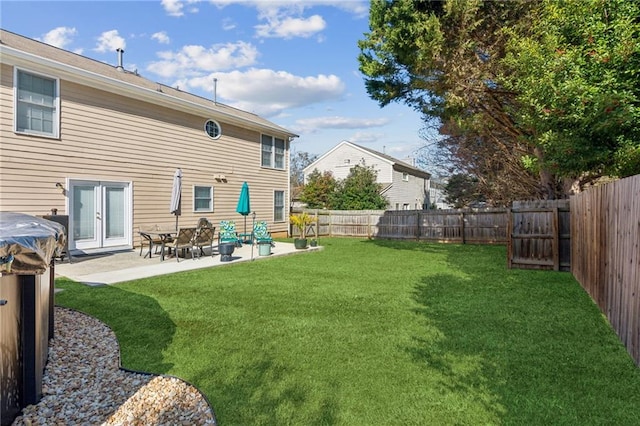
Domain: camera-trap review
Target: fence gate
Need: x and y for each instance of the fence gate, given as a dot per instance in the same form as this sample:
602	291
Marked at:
539	235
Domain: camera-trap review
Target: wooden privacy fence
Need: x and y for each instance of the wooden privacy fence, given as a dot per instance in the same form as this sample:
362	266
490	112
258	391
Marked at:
483	226
539	235
536	233
605	253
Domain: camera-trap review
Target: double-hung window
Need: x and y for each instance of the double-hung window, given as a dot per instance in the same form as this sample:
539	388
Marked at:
273	150
202	198
37	104
278	206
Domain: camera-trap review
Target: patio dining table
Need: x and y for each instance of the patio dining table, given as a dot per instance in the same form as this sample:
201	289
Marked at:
165	236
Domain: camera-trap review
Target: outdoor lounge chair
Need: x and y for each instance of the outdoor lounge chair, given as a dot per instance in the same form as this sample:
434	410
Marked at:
228	233
261	234
184	240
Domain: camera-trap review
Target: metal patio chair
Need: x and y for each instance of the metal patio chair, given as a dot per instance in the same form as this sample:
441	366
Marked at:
204	238
183	241
149	240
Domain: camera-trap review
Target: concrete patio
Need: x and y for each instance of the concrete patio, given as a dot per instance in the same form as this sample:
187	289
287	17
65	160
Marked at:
116	267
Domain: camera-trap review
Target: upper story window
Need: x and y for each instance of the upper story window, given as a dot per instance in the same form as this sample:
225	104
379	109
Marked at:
212	128
405	177
273	150
37	104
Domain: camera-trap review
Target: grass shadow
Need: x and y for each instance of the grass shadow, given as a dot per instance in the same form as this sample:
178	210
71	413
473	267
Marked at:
266	392
135	318
528	345
458	344
411	245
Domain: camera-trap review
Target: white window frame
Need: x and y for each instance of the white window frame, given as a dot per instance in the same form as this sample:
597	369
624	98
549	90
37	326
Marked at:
276	207
55	119
211	192
405	177
269	154
218	127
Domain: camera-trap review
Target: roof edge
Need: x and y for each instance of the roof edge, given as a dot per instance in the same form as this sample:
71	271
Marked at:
19	57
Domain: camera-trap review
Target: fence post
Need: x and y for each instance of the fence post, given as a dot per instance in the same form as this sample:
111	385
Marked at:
555	248
509	239
330	223
418	224
462	227
317	224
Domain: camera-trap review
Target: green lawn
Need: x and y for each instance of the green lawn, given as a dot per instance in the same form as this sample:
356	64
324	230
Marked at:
376	332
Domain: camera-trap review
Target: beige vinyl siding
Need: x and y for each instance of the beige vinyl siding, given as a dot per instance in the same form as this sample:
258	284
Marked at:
108	137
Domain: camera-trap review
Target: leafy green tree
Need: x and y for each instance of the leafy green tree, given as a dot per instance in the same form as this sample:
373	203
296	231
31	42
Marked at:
319	192
299	160
533	97
439	58
462	191
576	70
359	191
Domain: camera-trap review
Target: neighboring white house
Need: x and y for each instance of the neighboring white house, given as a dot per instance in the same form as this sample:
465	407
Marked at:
403	185
437	194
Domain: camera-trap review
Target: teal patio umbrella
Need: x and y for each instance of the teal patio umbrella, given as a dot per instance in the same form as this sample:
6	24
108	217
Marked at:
244	204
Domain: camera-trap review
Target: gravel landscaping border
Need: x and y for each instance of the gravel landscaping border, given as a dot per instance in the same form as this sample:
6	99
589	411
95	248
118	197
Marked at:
84	384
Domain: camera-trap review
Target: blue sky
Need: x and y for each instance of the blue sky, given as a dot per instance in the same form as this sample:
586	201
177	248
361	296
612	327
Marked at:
292	62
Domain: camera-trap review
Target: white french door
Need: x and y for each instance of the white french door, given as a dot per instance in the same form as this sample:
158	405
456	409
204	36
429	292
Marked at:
100	214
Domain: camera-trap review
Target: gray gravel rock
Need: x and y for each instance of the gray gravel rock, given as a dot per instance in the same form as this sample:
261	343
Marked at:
84	385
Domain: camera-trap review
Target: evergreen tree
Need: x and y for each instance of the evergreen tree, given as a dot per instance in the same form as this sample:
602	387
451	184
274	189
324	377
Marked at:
319	192
462	191
534	97
360	191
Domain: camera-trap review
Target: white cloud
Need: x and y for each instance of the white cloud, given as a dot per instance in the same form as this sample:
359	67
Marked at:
366	137
161	37
194	60
311	125
60	37
176	7
285	18
228	24
109	41
173	7
266	92
289	27
360	9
